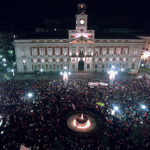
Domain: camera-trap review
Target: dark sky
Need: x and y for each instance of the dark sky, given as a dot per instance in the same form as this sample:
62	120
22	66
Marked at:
132	13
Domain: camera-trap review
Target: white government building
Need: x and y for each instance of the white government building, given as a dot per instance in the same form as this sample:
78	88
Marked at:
80	52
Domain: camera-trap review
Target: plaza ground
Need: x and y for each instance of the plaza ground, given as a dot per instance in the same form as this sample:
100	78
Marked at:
54	76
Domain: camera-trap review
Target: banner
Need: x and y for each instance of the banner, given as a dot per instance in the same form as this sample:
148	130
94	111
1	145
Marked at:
100	104
97	83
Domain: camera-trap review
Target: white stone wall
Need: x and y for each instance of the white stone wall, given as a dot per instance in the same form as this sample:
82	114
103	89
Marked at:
132	45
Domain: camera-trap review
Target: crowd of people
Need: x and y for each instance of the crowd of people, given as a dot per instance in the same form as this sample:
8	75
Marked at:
35	121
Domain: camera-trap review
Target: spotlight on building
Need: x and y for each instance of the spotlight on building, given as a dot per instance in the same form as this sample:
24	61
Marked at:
143	106
30	95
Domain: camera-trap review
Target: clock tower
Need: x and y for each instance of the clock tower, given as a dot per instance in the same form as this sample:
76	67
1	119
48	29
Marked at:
81	19
81	25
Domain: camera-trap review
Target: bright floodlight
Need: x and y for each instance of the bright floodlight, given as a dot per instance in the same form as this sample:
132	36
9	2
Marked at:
143	106
30	95
61	73
69	73
65	67
41	70
4	64
12	70
122	69
116	108
142	65
113	67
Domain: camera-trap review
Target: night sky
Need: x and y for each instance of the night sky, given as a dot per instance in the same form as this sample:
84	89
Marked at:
115	13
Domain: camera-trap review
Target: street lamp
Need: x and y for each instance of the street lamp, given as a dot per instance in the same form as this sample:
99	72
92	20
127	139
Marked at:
13	72
112	74
41	70
122	69
65	67
65	75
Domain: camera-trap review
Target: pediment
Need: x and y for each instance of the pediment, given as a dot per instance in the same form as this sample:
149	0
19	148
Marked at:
81	40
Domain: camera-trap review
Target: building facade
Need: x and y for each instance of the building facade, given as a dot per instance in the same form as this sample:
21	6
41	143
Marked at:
6	42
80	52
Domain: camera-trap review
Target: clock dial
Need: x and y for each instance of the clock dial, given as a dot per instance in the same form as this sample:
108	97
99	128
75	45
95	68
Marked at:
81	21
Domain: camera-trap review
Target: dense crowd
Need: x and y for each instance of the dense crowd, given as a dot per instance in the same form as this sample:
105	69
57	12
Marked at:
35	121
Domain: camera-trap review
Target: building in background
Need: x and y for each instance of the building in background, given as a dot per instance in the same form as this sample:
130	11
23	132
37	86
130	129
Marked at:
80	52
6	44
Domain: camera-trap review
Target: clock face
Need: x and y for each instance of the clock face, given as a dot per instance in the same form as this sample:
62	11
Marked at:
81	21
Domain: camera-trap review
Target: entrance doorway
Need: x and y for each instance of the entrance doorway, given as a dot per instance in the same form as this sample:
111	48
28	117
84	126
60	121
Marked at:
81	65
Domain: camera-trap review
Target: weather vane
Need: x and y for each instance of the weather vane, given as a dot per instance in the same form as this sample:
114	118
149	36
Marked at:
81	7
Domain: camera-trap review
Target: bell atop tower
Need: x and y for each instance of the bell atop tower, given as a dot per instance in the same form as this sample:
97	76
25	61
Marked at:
81	8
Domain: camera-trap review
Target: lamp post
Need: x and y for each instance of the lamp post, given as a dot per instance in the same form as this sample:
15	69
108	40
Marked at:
112	75
13	72
65	76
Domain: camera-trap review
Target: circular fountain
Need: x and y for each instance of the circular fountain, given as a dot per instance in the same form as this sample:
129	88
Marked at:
81	123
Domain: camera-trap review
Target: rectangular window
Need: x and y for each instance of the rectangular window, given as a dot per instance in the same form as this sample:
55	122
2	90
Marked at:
57	51
88	66
22	53
96	66
25	68
73	66
88	51
43	67
103	66
50	67
73	52
65	51
57	66
54	66
104	51
35	68
42	50
111	51
49	51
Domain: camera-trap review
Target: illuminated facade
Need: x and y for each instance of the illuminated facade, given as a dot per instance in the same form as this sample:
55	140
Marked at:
80	52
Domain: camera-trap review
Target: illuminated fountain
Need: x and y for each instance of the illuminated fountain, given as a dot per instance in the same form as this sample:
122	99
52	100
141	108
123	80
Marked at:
81	121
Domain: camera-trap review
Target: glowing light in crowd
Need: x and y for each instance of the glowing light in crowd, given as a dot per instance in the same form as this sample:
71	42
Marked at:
29	95
143	106
116	108
145	55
